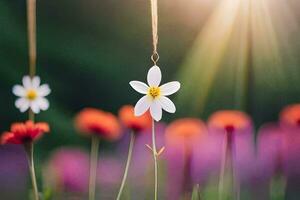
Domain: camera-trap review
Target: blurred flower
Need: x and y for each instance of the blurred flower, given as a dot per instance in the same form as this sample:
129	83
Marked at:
229	121
95	121
13	172
137	124
278	148
184	132
67	170
291	153
181	137
142	156
279	145
269	151
233	134
290	125
22	133
140	173
109	173
155	95
269	159
290	116
32	95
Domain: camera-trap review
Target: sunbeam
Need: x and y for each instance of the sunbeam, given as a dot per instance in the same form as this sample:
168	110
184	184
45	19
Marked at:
241	50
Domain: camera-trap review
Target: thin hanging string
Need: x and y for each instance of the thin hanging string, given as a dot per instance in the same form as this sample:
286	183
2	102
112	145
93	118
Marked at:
31	32
154	15
31	29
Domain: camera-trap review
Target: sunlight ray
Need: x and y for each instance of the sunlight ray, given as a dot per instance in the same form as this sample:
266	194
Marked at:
243	50
205	57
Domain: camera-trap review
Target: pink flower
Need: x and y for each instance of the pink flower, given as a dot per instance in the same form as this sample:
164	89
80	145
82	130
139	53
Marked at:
182	137
67	170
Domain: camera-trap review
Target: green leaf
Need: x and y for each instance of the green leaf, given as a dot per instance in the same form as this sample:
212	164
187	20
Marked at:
48	194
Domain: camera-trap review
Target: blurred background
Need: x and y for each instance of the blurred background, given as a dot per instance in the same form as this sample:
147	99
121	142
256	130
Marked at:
228	54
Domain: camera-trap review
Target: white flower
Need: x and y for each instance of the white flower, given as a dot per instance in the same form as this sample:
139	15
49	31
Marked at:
31	95
155	95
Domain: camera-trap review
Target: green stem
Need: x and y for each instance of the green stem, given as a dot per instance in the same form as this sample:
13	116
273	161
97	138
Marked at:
155	161
29	152
31	116
93	167
222	170
132	139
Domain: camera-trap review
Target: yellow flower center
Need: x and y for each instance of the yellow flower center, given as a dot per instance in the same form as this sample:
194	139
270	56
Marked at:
154	92
31	94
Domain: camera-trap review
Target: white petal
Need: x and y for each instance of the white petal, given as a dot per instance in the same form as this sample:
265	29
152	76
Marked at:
43	90
156	111
167	104
169	88
18	90
154	76
139	86
20	101
36	81
22	104
34	105
43	103
142	106
27	82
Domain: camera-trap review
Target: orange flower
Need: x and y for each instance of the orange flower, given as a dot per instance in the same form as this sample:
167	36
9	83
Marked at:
229	120
95	121
138	124
186	130
22	133
290	115
183	137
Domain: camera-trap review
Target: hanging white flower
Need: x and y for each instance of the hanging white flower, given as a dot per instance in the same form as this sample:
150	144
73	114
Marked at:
32	95
155	96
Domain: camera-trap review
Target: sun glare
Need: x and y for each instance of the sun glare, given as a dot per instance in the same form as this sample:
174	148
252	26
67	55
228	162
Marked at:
242	45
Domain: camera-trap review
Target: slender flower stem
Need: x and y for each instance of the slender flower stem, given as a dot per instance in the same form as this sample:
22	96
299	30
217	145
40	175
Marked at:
29	152
155	161
93	166
237	187
31	116
223	167
130	150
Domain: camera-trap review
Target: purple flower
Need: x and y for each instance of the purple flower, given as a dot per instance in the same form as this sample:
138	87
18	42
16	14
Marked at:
140	172
183	138
13	172
290	124
109	175
269	152
234	129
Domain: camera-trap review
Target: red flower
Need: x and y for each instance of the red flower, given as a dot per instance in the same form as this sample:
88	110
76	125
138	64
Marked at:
22	133
138	124
95	121
290	115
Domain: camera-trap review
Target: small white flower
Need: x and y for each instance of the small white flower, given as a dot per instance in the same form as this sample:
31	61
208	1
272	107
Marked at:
155	95
31	95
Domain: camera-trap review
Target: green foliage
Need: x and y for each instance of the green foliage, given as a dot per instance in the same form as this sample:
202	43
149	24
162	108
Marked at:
278	187
196	195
